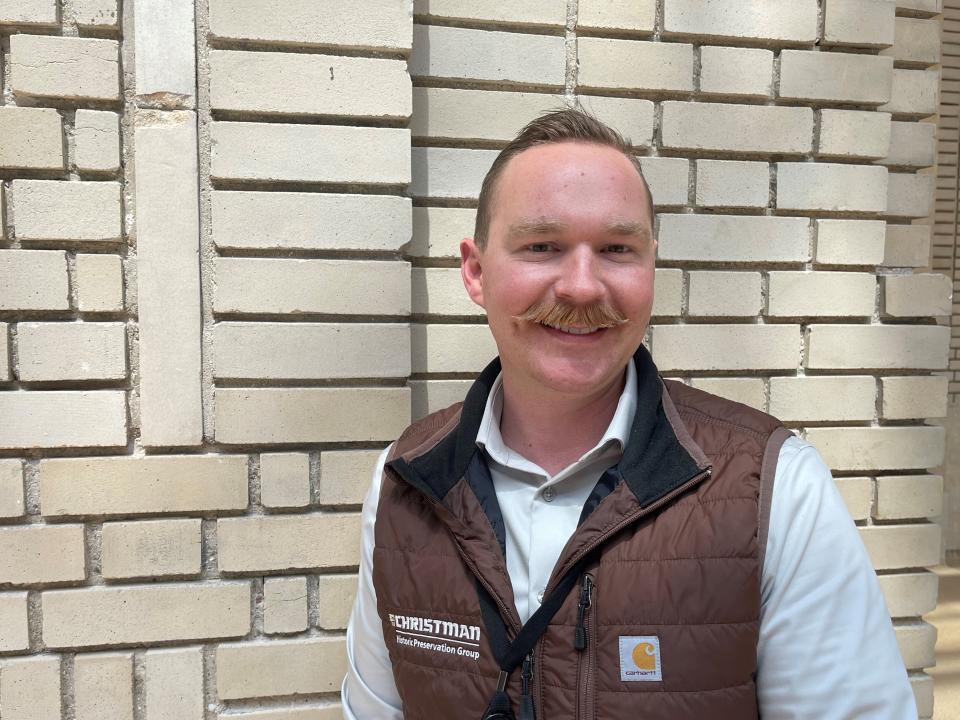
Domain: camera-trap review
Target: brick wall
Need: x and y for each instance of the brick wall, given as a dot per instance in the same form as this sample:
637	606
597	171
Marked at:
228	277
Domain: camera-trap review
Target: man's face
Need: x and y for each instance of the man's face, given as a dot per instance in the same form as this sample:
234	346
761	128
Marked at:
570	225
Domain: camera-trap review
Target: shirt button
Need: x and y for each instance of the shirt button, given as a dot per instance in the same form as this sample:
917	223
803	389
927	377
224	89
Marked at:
548	494
540	597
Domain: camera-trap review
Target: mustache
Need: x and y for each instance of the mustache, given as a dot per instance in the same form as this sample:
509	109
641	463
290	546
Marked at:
598	315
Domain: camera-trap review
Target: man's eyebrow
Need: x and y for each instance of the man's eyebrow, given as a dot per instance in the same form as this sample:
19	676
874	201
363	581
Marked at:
638	229
536	227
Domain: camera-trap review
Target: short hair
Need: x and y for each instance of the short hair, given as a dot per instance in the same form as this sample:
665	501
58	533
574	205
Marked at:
557	126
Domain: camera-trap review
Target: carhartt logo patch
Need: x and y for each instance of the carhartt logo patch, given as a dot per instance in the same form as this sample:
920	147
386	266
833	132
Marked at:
640	658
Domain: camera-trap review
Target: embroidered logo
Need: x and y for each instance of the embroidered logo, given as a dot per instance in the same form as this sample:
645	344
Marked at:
439	636
640	658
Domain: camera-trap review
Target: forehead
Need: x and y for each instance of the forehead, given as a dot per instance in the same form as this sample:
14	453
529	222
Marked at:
571	181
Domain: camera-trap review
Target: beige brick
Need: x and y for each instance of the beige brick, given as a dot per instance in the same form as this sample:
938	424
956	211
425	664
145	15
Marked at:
286	285
914	93
922	686
910	195
737	128
284	605
97	140
288	542
850	242
439	291
33	280
733	183
289	220
326	84
907	246
37	64
14	633
503	57
724	293
95	13
736	71
288	667
449	172
748	391
63	418
103	686
427	396
847	398
498	116
56	210
864	23
916	641
910	594
345	476
42	554
165	40
885	347
99	283
525	12
921	8
310	153
879	448
310	350
285	480
909	496
11	488
30	138
727	238
376	24
173	684
451	348
325	712
151	549
837	77
829	294
634	65
668	293
920	295
780	20
916	41
633	16
71	351
914	396
168	282
912	144
437	231
30	688
902	546
28	12
854	133
153	484
142	614
668	179
725	347
835	187
335	600
857	494
4	353
308	415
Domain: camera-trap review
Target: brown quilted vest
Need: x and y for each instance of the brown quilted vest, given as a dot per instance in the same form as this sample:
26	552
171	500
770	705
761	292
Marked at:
671	556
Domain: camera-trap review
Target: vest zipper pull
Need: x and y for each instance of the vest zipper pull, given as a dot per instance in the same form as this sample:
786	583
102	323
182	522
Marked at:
526	701
586	598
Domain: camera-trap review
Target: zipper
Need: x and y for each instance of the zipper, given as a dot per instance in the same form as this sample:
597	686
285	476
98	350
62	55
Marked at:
526	699
585	642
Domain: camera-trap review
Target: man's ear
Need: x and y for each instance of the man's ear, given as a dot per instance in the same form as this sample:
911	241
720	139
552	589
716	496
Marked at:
471	270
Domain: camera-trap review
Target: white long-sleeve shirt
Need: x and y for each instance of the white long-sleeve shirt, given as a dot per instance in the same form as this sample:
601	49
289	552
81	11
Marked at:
826	648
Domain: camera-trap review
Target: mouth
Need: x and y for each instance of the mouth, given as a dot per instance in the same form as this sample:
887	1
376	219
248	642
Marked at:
572	330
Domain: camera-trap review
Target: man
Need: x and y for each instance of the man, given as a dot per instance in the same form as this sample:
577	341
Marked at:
581	539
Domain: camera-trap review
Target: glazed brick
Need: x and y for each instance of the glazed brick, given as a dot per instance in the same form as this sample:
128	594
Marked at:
834	187
736	71
52	351
288	542
33	280
35	554
849	398
912	144
280	667
914	396
99	283
910	195
830	294
748	391
909	496
835	77
345	476
633	16
37	67
439	291
884	347
284	605
284	480
854	133
31	138
724	294
635	65
64	418
907	246
441	172
733	184
862	23
437	231
879	448
14	630
56	210
727	347
28	12
725	238
30	688
914	93
668	292
103	686
451	348
850	242
737	128
150	549
909	594
782	21
11	488
919	295
916	42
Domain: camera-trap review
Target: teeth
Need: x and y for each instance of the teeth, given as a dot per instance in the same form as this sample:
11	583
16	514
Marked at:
574	330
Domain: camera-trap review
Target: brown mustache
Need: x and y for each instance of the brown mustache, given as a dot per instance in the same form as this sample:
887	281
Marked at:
598	315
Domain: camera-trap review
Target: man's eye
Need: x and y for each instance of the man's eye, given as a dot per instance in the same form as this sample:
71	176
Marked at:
618	249
540	247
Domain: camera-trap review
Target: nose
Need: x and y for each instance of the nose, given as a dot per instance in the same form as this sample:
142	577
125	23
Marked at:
580	282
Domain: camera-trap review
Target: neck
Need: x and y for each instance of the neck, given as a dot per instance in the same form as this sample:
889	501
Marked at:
555	430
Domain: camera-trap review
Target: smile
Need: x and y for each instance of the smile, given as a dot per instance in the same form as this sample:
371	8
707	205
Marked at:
570	330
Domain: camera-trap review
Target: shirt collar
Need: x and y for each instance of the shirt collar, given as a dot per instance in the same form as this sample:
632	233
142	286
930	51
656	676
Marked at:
490	440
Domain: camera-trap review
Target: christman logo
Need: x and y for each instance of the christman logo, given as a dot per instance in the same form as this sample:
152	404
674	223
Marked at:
439	636
640	658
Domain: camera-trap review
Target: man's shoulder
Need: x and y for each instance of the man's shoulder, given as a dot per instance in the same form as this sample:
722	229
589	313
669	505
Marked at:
423	434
